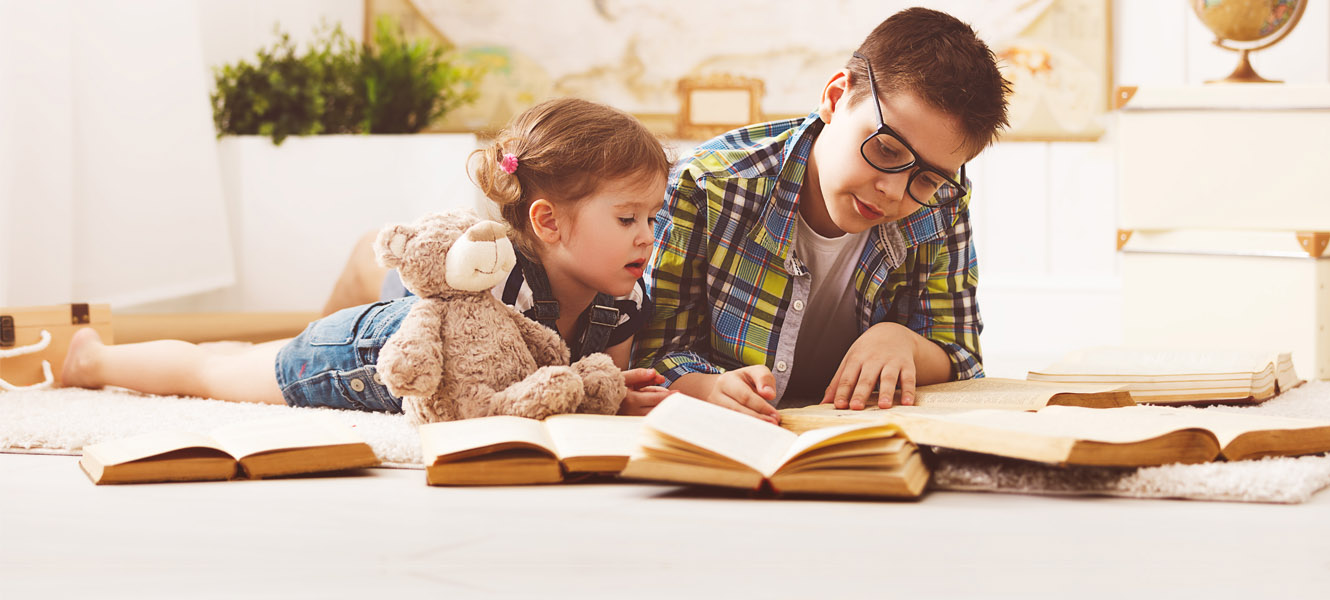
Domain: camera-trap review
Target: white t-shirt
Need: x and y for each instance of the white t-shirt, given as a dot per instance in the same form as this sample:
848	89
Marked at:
829	324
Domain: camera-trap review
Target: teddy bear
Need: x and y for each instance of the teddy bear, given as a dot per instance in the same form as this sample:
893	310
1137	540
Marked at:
460	352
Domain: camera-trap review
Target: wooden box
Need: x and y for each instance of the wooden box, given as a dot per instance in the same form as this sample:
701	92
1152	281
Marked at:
1230	290
22	327
1247	157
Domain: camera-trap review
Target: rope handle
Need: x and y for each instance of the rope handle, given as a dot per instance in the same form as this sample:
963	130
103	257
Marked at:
30	349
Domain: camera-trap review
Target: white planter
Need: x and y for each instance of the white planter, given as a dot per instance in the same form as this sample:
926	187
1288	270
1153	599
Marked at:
296	209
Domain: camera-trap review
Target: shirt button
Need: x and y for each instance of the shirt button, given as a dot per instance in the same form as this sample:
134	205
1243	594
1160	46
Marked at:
357	385
377	379
781	366
798	305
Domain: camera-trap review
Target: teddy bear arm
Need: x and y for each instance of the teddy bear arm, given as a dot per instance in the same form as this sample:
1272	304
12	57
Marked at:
411	363
544	343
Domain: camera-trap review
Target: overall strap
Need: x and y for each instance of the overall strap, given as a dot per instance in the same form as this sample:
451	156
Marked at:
544	308
604	318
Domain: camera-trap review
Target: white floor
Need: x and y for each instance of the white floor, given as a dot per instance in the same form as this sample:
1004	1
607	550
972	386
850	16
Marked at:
386	531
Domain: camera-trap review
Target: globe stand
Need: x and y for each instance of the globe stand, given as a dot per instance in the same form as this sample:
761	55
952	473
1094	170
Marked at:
1243	73
1230	21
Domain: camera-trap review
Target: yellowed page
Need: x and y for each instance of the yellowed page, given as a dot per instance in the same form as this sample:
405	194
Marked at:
138	447
284	433
996	392
593	435
1114	426
749	441
438	440
829	436
1227	426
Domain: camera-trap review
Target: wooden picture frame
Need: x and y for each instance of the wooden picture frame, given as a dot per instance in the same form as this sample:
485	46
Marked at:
1061	69
713	104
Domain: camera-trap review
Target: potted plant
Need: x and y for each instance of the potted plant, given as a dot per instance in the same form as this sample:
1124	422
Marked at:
317	148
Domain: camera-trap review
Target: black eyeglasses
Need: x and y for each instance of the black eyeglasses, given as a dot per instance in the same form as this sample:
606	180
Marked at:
887	151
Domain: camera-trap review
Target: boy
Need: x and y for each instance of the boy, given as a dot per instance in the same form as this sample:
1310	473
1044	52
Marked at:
838	243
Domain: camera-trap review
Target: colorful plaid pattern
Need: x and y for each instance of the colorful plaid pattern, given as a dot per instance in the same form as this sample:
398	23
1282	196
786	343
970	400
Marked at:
722	277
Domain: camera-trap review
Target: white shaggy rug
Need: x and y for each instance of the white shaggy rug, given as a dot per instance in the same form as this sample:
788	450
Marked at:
62	421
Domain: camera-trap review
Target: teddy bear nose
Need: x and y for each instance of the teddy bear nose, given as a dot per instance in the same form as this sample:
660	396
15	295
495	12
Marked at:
485	231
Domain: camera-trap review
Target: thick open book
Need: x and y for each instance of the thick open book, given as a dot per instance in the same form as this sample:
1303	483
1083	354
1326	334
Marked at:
506	450
1178	376
687	440
985	392
1126	437
254	450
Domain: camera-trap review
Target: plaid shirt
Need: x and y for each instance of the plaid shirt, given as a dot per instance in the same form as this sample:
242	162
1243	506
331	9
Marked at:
723	277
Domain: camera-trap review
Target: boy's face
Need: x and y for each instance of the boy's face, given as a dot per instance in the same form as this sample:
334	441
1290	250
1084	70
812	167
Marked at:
842	193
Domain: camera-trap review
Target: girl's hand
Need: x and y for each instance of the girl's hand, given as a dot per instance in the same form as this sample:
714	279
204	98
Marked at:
748	390
644	393
882	357
639	378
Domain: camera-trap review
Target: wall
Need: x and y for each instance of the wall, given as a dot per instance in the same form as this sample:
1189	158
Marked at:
1045	213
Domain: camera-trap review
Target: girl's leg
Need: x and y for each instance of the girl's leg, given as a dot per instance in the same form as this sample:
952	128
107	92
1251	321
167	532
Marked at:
173	367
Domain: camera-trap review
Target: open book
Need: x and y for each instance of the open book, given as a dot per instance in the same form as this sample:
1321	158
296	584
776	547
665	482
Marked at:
985	392
687	440
254	450
1178	376
506	450
1127	437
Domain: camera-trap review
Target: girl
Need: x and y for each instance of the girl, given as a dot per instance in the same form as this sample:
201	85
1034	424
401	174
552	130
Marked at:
578	182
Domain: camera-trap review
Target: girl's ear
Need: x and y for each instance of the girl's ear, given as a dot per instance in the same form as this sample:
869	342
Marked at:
544	223
833	95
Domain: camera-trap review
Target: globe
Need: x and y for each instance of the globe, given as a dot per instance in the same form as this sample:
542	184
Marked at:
1245	26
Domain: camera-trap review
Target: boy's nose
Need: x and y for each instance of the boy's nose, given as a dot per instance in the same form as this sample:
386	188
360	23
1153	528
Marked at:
892	185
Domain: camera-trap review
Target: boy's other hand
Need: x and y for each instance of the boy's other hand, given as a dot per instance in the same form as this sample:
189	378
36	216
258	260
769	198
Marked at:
881	358
748	390
644	391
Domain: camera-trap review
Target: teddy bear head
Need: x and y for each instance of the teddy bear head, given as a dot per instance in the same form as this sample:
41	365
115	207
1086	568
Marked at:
447	253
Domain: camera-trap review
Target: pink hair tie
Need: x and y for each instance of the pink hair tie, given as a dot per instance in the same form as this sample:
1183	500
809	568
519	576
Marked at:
509	163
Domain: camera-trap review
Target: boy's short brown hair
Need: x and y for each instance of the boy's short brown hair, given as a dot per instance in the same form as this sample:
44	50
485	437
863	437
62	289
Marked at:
941	59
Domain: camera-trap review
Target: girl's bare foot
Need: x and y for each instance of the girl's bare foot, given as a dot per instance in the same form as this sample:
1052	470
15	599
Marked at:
80	368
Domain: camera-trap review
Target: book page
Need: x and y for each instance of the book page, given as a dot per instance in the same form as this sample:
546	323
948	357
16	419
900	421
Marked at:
1155	361
138	447
1011	394
300	431
579	435
1113	426
1285	374
1227	426
468	437
830	436
749	441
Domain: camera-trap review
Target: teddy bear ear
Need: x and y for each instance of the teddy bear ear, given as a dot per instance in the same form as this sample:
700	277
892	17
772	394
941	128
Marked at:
390	246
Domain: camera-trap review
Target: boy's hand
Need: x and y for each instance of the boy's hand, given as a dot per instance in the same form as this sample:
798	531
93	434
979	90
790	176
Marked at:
748	390
644	393
882	357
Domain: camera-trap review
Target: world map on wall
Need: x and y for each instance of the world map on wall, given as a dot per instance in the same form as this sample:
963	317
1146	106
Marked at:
632	53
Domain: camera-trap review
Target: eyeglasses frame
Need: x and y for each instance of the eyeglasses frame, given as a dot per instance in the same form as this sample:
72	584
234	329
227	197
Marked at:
915	161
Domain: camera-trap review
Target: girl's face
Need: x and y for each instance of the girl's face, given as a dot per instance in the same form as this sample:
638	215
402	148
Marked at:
607	237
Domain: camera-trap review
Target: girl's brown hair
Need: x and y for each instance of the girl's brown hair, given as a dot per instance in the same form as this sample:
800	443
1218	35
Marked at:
941	59
563	149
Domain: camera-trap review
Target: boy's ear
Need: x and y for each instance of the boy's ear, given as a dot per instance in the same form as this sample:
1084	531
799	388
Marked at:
543	221
833	95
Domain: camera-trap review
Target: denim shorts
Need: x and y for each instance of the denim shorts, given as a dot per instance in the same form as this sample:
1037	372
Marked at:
332	363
